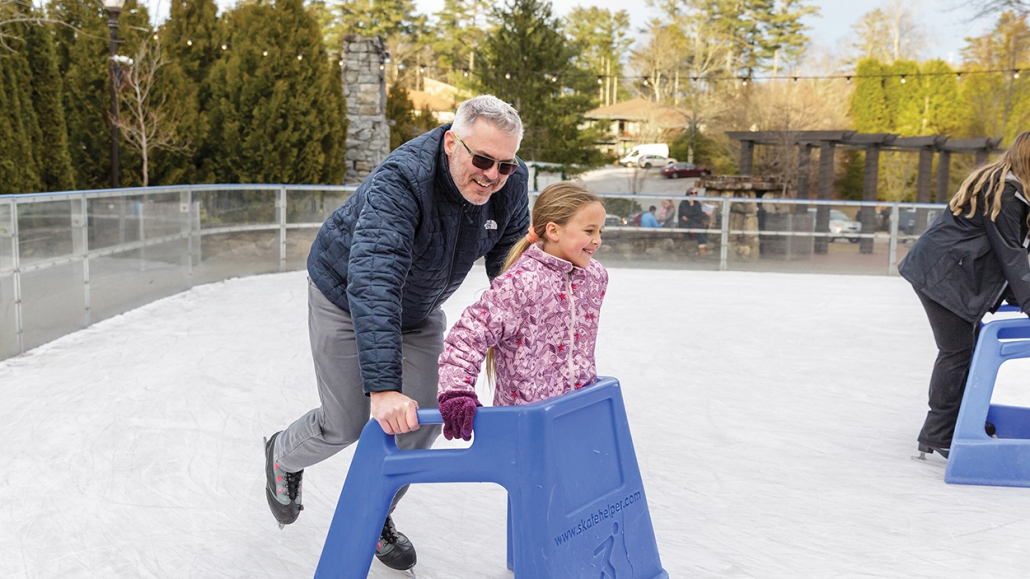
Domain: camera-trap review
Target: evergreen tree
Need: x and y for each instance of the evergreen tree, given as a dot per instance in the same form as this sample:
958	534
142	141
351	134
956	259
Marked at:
461	30
82	51
942	103
904	98
407	122
192	40
278	109
20	136
53	159
869	102
526	63
998	104
601	41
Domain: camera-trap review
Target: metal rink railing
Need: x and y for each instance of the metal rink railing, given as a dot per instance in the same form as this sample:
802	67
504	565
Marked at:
68	260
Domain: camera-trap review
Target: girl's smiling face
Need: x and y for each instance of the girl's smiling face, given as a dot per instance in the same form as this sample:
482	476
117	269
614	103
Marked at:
577	240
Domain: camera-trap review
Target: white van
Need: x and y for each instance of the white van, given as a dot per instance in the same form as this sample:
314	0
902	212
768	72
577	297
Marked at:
634	154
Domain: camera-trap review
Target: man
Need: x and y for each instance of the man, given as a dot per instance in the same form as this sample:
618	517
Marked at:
693	216
648	219
379	269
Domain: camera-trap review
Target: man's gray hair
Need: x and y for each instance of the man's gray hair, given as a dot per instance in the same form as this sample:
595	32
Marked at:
490	109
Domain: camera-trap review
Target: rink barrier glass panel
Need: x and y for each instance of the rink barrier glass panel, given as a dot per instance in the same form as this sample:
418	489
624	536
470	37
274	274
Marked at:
70	259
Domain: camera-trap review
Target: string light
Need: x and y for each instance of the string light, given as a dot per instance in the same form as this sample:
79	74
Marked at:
189	42
848	78
507	76
599	80
264	52
225	46
1015	74
300	56
902	79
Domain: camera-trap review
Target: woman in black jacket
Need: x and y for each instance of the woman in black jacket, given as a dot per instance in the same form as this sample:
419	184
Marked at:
972	258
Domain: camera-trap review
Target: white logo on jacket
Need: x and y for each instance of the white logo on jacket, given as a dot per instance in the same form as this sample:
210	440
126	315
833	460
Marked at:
490	224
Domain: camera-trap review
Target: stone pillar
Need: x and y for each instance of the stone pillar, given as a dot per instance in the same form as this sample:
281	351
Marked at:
364	87
825	184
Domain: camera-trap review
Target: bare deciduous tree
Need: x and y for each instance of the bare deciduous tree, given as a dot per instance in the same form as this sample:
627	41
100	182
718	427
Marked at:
889	33
146	124
990	7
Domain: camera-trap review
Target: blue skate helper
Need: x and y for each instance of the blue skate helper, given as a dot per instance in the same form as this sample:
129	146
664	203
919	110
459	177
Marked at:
576	504
975	457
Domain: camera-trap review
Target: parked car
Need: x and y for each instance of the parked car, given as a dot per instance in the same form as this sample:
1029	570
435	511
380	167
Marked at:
677	170
613	221
648	161
842	226
907	220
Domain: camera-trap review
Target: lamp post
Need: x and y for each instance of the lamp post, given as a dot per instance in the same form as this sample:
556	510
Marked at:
113	9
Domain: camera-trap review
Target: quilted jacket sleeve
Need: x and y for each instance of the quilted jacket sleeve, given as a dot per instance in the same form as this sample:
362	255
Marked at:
484	324
380	257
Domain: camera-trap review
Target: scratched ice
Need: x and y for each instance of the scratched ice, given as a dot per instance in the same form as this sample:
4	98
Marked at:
774	417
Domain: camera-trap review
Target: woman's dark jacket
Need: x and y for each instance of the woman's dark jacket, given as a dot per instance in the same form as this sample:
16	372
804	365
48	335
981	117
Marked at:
404	242
967	264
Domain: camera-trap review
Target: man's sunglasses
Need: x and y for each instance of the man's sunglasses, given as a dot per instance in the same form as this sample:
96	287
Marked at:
484	163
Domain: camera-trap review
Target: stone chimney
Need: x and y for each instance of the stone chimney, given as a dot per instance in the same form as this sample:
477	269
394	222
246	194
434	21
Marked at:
364	87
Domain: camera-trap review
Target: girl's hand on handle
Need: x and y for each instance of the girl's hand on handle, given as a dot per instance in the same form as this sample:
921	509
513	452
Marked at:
458	408
395	412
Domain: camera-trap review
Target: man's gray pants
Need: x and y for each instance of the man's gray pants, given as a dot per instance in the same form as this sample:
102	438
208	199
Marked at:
345	408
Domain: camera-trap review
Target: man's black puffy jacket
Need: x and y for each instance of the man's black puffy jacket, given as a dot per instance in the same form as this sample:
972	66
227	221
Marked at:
967	264
393	252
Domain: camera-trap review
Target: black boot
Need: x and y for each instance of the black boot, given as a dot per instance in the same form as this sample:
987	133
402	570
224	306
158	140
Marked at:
394	549
282	489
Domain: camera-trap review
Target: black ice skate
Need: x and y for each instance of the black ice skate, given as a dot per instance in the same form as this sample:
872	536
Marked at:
925	449
282	489
394	549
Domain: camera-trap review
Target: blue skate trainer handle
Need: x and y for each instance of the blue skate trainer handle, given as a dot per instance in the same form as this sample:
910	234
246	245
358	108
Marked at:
429	416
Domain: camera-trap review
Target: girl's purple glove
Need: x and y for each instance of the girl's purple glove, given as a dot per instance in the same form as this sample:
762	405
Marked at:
458	408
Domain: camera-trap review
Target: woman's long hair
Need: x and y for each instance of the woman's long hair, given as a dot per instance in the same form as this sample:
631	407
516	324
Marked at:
990	179
558	203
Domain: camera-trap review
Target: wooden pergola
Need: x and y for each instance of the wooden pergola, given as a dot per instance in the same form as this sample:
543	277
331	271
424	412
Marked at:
873	144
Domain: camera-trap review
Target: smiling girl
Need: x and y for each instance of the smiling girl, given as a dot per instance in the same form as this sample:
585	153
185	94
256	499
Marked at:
539	317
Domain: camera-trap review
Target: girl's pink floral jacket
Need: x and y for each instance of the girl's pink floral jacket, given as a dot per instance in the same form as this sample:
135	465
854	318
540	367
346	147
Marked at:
540	316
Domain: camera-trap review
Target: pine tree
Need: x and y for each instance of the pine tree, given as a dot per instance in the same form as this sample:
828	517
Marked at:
277	112
526	61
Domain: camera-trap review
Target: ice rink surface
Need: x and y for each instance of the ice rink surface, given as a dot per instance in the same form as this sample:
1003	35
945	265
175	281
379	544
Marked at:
774	417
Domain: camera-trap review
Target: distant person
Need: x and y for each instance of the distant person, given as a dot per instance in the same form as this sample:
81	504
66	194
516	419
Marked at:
693	216
648	219
966	263
380	268
667	213
536	326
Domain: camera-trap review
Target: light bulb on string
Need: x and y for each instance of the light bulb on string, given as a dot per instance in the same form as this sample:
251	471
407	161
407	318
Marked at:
189	42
